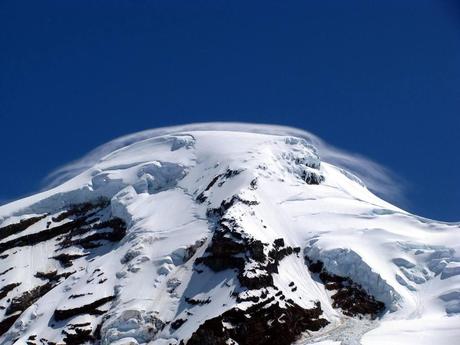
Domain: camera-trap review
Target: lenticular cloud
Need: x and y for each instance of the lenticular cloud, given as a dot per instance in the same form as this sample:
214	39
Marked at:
376	177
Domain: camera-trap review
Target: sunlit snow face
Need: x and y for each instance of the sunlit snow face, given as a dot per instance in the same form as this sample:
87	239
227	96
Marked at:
179	229
376	177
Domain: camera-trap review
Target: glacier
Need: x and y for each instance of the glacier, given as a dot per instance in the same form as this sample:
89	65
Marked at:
224	234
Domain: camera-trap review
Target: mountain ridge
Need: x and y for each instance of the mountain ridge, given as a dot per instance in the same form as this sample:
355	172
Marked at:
222	237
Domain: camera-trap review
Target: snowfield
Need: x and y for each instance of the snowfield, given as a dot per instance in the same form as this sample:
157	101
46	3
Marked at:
223	235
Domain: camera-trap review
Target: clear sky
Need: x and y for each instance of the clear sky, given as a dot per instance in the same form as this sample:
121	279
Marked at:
380	78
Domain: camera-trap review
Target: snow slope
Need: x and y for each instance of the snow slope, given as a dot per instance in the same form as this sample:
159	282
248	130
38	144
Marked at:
210	236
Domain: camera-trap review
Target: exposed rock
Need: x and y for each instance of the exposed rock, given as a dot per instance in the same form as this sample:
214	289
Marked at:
6	271
66	259
229	173
268	320
177	323
22	225
27	298
312	177
191	250
117	225
91	308
53	276
197	301
264	323
202	197
78	336
7	288
348	295
41	236
79	210
221	253
79	295
7	322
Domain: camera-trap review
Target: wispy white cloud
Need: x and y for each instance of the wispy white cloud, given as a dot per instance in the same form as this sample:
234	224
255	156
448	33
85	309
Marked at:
376	177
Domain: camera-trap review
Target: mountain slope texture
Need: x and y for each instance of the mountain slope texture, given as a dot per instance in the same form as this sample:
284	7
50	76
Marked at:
223	234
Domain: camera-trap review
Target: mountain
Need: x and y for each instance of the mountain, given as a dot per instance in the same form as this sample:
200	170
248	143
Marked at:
223	235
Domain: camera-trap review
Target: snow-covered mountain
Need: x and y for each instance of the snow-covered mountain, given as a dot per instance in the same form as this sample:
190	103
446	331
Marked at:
223	235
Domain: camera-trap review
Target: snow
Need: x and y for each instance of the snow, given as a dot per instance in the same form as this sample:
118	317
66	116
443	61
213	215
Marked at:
152	182
420	331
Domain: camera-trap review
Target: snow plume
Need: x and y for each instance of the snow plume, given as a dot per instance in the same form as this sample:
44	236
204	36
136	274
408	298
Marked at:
376	177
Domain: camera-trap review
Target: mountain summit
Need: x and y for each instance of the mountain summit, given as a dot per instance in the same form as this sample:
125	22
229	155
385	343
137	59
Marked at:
220	235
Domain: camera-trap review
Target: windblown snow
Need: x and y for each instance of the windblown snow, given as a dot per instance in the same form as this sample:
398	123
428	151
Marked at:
223	237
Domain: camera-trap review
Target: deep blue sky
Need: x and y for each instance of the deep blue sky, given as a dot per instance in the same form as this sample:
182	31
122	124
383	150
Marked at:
381	78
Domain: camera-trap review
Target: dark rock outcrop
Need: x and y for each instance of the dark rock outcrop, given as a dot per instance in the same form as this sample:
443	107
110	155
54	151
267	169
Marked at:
264	323
66	259
79	210
271	319
348	295
53	276
7	288
7	322
16	228
27	298
41	236
91	308
312	178
80	228
79	336
229	173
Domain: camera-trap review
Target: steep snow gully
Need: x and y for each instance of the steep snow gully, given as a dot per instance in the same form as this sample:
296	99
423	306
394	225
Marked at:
223	235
